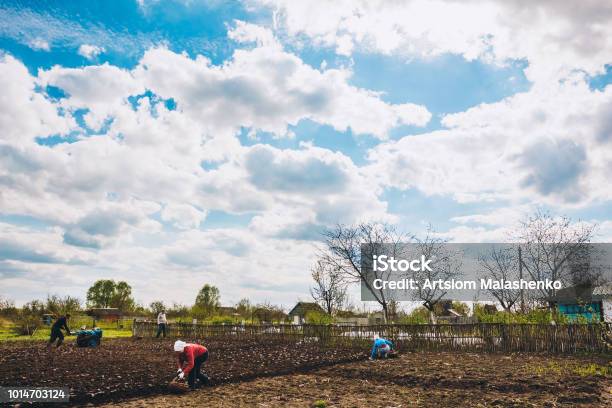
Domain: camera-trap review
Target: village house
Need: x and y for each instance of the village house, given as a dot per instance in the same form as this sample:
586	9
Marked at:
297	315
105	313
594	303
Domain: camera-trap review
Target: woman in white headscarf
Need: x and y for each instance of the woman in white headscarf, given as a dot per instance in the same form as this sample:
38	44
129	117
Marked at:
190	357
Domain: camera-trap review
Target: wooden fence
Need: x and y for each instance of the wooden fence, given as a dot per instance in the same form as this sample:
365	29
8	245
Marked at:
489	337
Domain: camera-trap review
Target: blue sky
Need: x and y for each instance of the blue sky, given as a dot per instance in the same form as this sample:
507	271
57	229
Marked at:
181	140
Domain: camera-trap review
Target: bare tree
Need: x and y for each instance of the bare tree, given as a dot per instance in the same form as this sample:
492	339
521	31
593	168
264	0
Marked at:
501	264
445	265
550	246
329	289
343	251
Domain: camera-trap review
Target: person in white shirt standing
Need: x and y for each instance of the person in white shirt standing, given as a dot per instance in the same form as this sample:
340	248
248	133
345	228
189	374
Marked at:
161	323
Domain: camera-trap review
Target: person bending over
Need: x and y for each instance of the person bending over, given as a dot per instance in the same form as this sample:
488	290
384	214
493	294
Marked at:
190	358
56	330
381	348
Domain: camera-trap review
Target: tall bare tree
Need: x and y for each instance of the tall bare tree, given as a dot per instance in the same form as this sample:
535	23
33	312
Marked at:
550	246
329	289
343	245
445	265
501	263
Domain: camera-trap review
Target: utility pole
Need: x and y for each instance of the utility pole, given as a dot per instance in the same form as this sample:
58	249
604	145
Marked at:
520	258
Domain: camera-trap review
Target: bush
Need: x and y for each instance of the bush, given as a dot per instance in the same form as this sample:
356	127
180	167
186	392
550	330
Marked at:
29	318
222	320
419	315
26	325
541	316
7	308
315	317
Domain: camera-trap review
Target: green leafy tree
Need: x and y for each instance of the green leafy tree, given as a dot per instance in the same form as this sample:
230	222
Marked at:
108	293
62	305
122	299
157	306
244	307
178	310
207	300
101	293
265	312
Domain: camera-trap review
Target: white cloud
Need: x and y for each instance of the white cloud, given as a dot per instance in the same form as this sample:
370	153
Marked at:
101	193
39	44
90	51
246	32
540	146
25	113
556	37
183	216
270	89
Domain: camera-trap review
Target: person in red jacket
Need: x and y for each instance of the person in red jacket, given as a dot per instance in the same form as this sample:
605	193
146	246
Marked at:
190	357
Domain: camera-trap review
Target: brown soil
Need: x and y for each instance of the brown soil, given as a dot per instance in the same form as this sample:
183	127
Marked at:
122	368
136	373
417	380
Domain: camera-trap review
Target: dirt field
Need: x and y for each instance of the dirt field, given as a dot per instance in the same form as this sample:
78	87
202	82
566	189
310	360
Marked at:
123	368
135	373
419	380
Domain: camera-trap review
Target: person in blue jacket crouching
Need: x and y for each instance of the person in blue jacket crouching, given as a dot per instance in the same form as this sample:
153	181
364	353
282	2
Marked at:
381	348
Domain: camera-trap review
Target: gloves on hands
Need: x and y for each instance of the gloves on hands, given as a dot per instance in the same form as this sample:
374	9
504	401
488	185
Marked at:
181	375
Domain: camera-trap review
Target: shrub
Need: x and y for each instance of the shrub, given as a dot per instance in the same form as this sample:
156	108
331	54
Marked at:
541	316
320	404
419	315
222	320
7	308
29	318
314	317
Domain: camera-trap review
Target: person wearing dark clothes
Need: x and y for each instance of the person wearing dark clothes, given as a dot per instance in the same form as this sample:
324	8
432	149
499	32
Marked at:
56	330
190	359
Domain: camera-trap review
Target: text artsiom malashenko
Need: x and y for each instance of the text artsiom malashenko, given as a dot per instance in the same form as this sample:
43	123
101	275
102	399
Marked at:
384	263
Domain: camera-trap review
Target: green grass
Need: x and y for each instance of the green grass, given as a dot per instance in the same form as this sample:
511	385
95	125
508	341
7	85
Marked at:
8	332
583	370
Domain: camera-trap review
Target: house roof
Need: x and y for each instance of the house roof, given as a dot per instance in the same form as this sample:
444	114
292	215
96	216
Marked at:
226	309
103	311
603	290
350	313
582	293
301	308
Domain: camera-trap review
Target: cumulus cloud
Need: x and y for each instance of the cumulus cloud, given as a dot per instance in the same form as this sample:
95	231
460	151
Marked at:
183	216
26	113
90	51
293	171
268	89
104	226
102	187
555	167
556	37
39	44
540	145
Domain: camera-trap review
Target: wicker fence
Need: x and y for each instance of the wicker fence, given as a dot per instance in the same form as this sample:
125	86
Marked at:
490	337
